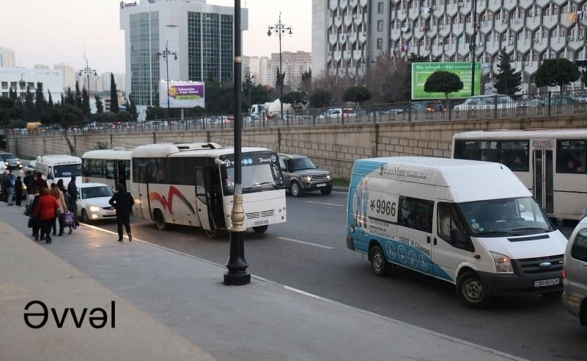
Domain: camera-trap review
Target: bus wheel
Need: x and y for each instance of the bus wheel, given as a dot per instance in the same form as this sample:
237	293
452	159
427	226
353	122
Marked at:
260	229
470	291
84	217
159	220
294	189
378	261
212	233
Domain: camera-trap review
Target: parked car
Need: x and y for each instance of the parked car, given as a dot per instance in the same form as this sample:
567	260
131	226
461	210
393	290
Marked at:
488	102
539	102
428	106
10	161
301	175
337	113
92	203
575	273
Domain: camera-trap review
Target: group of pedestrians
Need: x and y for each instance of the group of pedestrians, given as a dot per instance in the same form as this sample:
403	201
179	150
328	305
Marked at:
48	206
11	188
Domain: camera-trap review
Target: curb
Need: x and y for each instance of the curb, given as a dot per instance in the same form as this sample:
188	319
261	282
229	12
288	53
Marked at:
340	189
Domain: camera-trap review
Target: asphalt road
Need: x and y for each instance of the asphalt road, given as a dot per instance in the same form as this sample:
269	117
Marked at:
309	253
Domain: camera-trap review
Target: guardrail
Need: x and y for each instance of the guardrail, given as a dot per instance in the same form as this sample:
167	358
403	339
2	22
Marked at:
372	114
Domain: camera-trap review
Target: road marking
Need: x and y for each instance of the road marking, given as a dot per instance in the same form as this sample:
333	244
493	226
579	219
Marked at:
306	243
328	204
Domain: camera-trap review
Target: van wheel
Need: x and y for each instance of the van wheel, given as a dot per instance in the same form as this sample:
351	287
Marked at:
326	191
84	218
378	261
470	291
212	233
260	229
159	220
294	189
552	295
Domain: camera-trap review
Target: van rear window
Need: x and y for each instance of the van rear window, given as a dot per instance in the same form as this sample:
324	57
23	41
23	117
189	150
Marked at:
579	248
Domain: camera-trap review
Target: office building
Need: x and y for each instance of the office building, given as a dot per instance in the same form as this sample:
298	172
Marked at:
294	64
22	79
7	58
529	31
69	75
199	36
264	68
105	78
252	68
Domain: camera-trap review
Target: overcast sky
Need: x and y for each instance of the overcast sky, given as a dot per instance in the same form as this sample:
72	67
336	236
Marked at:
54	31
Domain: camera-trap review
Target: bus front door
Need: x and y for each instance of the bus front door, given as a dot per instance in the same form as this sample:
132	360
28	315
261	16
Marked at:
543	179
203	199
143	193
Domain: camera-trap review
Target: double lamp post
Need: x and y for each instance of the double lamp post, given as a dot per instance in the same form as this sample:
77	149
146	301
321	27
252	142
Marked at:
280	30
165	54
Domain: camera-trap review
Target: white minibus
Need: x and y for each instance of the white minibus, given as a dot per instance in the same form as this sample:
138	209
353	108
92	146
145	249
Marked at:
471	223
552	163
109	166
191	184
59	166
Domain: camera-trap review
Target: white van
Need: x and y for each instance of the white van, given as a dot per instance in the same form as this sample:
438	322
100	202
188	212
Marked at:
470	223
59	166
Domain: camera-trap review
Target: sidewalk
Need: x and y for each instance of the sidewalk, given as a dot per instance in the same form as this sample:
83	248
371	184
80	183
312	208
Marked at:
171	306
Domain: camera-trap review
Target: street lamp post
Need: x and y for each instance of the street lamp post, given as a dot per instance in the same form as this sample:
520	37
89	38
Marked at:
280	29
248	78
473	46
22	84
165	55
237	274
87	71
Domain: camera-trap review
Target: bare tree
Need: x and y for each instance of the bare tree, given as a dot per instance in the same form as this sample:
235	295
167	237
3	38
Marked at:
388	79
335	84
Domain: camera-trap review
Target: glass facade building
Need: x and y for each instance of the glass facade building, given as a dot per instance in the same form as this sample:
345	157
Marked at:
144	74
201	35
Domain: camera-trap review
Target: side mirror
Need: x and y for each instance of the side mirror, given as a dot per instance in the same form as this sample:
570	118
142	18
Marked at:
317	166
457	238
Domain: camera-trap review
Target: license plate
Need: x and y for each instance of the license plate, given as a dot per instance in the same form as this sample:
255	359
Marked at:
548	282
261	222
321	185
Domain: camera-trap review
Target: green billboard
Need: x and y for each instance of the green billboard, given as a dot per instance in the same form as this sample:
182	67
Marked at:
421	72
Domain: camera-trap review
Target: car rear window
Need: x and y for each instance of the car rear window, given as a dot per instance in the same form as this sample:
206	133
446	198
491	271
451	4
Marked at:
579	248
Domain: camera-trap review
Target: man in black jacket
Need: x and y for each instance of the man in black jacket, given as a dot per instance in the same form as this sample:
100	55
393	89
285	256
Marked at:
29	181
123	202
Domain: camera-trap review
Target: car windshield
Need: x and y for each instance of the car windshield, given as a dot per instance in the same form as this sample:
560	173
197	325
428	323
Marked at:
7	156
96	192
303	164
503	217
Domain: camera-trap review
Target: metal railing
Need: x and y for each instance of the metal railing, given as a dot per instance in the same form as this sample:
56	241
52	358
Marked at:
491	108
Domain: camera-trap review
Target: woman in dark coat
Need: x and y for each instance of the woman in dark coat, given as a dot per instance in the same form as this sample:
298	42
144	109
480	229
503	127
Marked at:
18	190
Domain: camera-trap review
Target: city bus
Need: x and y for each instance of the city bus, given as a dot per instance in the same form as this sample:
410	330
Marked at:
552	163
59	166
109	166
192	184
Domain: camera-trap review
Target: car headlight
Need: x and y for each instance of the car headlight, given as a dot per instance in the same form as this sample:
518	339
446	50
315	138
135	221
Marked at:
328	177
503	264
307	178
18	162
94	209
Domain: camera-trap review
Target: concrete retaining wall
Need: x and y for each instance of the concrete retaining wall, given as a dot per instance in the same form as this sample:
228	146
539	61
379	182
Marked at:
332	147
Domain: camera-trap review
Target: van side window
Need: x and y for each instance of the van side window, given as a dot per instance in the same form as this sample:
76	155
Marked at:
416	213
447	220
579	248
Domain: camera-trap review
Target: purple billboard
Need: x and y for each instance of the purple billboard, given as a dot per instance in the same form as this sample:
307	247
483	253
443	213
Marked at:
181	94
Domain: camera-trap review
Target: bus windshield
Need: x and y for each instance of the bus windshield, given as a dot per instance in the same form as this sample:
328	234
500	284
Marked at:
67	170
260	172
503	217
